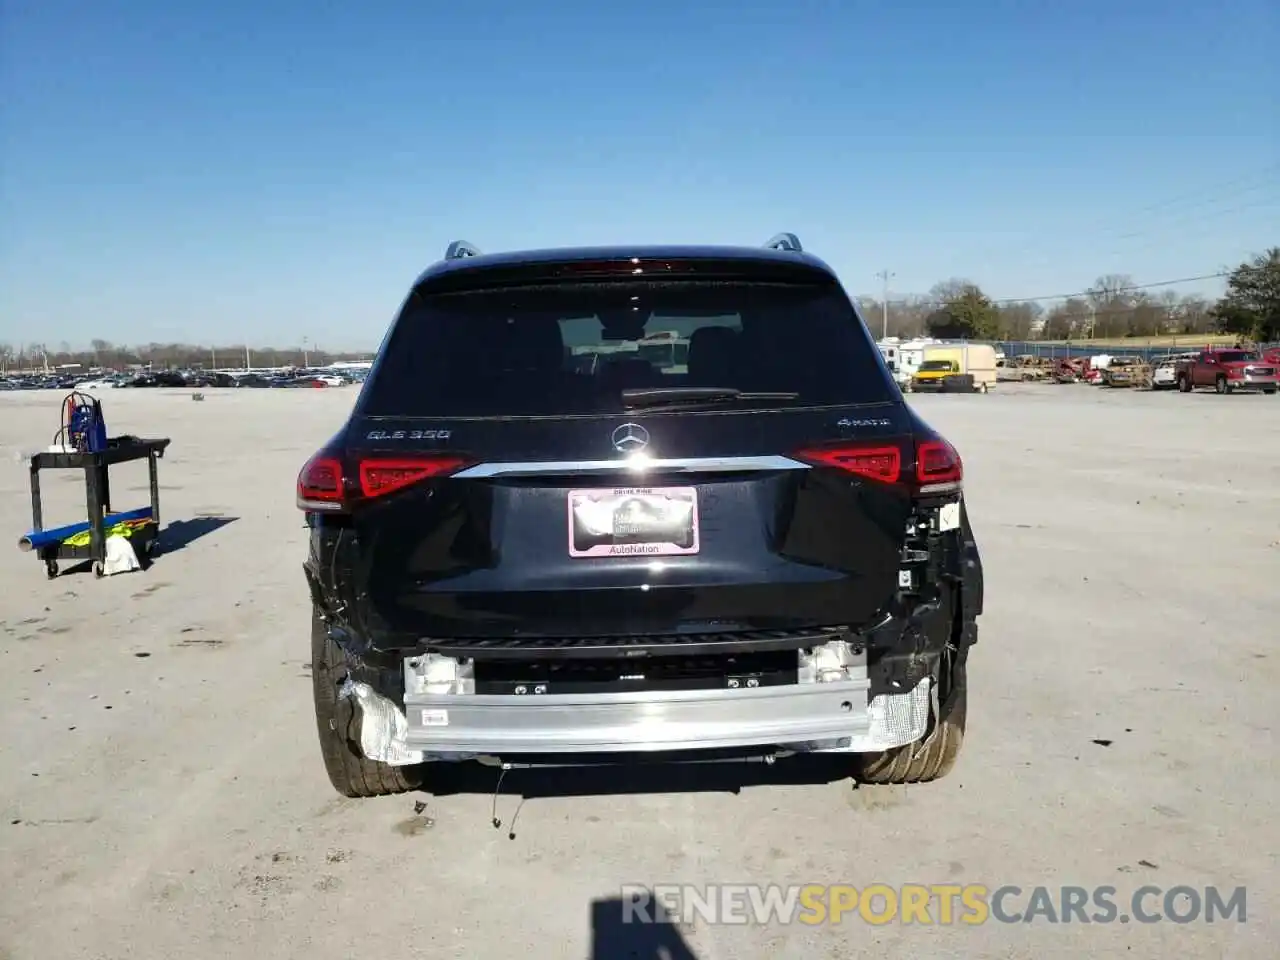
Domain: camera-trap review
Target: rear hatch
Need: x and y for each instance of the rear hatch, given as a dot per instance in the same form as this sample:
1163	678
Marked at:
623	456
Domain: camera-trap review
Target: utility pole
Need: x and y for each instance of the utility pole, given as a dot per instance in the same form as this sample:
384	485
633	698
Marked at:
213	358
306	357
885	275
247	365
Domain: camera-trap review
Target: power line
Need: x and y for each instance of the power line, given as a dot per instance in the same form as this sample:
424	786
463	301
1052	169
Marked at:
1129	289
1133	223
1199	217
1078	293
1271	168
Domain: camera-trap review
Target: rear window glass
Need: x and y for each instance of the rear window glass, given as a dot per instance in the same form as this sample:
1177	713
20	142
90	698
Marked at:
1235	356
568	349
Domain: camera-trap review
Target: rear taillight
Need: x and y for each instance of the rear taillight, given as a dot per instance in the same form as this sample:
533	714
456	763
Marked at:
326	484
320	484
937	466
874	461
379	476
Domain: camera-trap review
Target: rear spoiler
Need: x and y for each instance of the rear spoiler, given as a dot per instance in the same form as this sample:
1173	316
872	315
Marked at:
708	268
788	242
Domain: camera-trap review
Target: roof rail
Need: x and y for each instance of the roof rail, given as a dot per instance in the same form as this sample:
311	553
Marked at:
785	241
459	249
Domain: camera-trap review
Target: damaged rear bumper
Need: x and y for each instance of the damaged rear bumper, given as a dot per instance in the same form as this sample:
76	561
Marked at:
870	691
830	710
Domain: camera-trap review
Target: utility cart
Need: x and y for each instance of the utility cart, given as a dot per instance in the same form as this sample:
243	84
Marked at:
50	545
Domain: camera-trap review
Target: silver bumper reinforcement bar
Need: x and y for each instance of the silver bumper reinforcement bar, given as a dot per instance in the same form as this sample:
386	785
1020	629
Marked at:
828	711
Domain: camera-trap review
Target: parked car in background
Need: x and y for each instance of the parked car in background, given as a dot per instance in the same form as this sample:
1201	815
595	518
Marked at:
211	380
1025	368
160	378
1126	372
1071	370
1228	371
956	368
1164	371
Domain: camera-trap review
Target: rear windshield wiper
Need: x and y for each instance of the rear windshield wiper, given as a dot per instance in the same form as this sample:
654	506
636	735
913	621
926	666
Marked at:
671	396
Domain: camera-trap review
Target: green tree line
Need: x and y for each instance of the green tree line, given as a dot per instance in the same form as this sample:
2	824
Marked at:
1114	306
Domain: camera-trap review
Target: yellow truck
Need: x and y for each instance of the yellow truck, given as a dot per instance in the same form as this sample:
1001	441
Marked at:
956	368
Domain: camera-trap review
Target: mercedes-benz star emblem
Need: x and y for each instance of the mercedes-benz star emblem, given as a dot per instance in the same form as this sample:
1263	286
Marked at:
630	437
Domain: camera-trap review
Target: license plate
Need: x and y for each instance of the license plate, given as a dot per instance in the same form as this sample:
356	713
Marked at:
633	521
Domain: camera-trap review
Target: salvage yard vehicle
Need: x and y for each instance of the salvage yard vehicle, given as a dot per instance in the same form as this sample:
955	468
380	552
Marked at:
1227	371
1028	368
1164	371
957	368
1126	372
1071	370
1006	369
518	558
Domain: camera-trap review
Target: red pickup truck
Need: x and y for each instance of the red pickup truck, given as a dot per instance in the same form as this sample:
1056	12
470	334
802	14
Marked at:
1227	370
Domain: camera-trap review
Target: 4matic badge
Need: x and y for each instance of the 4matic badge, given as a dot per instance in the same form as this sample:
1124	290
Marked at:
408	435
877	422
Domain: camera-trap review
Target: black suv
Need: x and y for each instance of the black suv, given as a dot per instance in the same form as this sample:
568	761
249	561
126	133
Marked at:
595	503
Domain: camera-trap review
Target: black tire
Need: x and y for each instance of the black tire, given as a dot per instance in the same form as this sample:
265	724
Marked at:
1184	383
1220	384
928	759
1269	390
338	725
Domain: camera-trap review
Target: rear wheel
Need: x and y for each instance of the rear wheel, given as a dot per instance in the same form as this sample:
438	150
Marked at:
338	724
1221	384
931	758
1184	383
1268	389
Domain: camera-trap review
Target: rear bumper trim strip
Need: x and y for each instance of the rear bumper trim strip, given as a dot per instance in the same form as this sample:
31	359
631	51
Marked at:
634	465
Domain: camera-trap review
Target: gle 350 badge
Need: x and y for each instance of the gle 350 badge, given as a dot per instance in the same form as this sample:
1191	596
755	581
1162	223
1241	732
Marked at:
408	435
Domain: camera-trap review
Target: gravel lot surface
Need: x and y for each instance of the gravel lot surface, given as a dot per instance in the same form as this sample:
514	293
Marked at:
163	794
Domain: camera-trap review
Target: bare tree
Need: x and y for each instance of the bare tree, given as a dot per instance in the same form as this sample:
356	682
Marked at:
1067	321
1193	316
1112	300
1018	321
948	291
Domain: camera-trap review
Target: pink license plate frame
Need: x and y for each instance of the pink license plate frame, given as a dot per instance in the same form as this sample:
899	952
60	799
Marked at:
685	538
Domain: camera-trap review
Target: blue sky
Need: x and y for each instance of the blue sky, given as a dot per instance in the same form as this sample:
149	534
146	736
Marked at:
274	170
